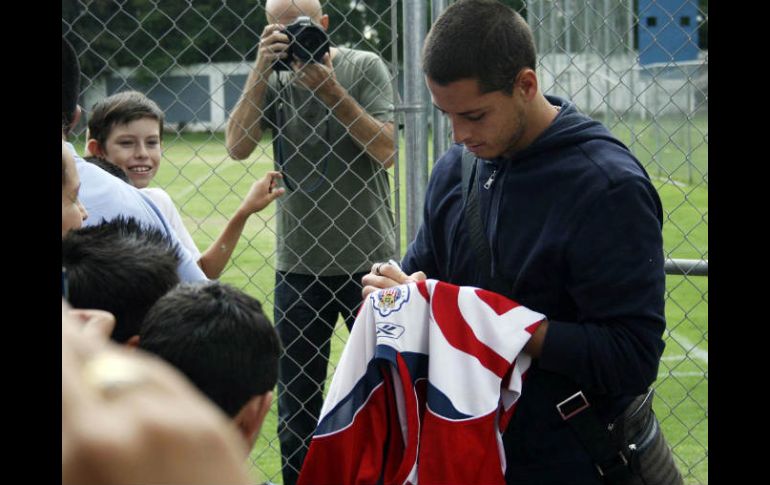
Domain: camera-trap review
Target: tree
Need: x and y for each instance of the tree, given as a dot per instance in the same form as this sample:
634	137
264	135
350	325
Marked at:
154	36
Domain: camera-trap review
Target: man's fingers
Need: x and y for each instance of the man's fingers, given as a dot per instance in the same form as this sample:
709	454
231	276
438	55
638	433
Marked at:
367	290
378	281
393	272
417	276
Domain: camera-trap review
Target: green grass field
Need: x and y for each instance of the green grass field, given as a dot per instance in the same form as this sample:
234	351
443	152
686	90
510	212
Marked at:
207	185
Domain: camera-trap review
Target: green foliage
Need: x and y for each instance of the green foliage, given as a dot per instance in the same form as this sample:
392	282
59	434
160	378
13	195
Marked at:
154	37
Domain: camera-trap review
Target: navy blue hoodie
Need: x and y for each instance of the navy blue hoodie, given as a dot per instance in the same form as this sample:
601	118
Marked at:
574	224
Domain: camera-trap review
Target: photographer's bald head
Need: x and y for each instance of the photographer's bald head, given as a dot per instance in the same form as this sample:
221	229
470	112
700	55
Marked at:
286	11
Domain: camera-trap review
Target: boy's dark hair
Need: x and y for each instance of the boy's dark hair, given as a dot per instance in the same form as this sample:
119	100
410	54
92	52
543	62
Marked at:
120	109
70	84
119	266
479	39
219	337
108	167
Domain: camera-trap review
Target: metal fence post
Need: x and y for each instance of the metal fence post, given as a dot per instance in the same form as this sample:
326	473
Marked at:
440	125
415	114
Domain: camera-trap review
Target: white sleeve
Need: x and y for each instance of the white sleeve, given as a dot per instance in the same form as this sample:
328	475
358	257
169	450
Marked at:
169	210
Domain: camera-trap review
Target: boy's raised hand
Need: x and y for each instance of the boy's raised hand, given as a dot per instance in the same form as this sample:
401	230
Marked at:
263	192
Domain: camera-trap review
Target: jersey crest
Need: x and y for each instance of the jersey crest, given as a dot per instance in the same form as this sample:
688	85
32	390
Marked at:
390	300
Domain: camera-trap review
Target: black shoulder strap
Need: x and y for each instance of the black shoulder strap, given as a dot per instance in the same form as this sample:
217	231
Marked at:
570	402
475	227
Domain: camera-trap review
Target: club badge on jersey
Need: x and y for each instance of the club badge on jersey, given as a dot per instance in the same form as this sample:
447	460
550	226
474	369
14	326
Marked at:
390	300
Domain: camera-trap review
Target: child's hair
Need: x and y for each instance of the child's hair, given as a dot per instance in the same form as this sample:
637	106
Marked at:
219	337
120	266
108	167
120	109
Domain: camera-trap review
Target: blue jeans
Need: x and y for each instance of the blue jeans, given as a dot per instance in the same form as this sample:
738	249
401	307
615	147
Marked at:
306	311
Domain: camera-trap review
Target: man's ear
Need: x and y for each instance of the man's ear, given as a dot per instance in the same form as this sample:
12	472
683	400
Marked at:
325	21
94	148
526	83
251	416
133	342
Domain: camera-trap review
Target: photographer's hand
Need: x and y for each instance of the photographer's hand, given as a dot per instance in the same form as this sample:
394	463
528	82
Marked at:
320	79
373	136
272	46
243	131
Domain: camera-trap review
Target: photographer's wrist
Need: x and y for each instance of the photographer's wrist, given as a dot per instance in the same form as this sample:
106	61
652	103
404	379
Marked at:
262	67
332	94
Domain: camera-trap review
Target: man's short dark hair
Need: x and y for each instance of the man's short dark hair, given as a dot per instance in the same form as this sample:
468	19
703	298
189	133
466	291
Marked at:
120	266
70	84
120	109
479	39
108	167
219	337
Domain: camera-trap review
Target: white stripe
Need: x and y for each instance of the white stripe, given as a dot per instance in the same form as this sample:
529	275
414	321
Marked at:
671	181
673	358
683	374
689	347
505	333
452	371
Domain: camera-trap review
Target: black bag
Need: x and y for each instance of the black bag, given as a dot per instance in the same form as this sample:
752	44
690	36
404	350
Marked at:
646	450
632	450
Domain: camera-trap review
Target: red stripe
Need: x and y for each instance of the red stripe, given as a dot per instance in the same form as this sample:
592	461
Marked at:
496	301
457	331
423	289
531	329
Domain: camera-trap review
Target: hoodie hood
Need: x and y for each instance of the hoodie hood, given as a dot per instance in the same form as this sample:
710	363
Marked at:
569	128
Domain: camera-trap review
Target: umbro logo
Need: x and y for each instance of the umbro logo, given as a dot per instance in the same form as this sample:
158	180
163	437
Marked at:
389	330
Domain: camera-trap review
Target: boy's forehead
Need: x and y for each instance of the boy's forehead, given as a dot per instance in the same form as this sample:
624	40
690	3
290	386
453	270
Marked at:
145	124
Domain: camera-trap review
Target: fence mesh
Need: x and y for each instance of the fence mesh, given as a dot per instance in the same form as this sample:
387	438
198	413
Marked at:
639	66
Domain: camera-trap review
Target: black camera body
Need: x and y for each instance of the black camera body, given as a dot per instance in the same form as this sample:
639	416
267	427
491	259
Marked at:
307	41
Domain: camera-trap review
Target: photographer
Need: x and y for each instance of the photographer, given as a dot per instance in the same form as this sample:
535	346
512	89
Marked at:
333	139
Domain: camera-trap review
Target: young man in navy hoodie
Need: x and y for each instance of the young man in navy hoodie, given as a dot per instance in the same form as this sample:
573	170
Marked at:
572	221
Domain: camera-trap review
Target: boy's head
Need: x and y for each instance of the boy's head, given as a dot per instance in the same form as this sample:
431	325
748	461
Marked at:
121	267
219	337
108	167
126	129
72	211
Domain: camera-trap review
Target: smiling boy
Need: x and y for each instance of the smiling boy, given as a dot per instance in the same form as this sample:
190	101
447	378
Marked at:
126	129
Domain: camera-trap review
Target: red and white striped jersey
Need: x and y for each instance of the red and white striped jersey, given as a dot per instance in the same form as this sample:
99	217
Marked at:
426	383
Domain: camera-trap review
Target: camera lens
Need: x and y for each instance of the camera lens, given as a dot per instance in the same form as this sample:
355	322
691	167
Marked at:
311	44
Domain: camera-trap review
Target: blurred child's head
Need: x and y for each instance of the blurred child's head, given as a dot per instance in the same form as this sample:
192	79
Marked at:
126	129
120	266
220	338
72	211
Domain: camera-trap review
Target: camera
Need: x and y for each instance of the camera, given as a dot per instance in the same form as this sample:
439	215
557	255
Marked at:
307	41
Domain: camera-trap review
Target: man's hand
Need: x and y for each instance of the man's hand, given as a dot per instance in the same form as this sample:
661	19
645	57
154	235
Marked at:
385	275
272	46
319	78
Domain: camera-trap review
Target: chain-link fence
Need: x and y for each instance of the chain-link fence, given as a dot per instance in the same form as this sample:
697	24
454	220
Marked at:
639	66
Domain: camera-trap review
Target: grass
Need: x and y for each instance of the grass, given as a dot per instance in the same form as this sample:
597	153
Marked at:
207	186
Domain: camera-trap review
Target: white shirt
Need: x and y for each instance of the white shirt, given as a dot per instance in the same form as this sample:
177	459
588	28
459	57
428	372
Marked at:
170	212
